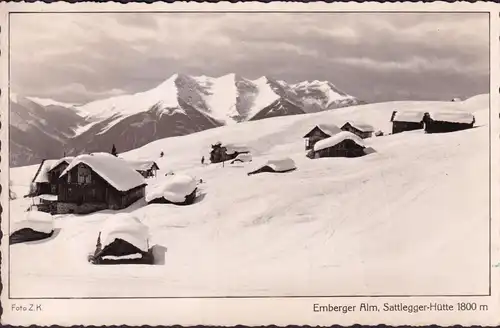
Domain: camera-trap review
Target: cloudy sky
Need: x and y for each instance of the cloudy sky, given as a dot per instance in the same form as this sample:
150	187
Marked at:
376	57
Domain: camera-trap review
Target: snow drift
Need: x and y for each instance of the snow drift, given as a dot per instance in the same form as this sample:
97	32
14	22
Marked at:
175	188
36	221
127	227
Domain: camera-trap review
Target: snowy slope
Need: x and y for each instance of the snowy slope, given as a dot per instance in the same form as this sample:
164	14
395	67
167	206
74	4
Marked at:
386	223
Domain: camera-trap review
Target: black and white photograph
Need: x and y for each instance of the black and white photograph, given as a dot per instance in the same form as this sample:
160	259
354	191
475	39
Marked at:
188	155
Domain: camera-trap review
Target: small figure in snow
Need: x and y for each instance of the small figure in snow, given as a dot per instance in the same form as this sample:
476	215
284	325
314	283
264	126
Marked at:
202	160
161	154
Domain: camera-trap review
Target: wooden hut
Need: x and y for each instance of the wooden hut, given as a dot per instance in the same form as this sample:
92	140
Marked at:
223	153
178	189
407	121
122	240
35	226
45	181
145	168
96	182
439	122
362	130
343	144
320	132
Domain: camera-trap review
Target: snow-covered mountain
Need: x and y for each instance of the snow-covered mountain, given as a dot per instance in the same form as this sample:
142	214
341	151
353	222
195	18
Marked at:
383	224
39	131
180	105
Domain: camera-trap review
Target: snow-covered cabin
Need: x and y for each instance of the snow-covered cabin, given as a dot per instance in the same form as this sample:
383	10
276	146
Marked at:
176	189
281	165
343	144
319	132
223	153
407	121
145	168
98	181
456	100
362	130
40	183
45	181
437	122
123	239
35	226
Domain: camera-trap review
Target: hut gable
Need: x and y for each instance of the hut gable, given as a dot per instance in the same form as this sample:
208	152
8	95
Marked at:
362	130
42	174
320	132
115	171
145	168
325	130
337	139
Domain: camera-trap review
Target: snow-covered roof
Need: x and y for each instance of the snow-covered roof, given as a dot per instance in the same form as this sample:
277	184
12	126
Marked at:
280	165
127	227
330	129
231	148
173	188
336	139
142	165
43	170
363	127
408	116
66	159
116	171
37	221
454	117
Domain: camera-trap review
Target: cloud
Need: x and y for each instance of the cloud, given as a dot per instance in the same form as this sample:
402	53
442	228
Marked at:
132	52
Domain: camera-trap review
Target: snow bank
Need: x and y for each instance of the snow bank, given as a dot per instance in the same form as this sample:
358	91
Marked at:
409	116
361	126
42	174
336	139
37	221
455	117
174	188
114	170
127	227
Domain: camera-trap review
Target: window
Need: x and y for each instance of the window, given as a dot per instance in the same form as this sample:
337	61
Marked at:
83	175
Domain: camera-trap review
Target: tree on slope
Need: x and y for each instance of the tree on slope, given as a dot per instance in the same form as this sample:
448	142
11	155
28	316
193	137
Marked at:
113	151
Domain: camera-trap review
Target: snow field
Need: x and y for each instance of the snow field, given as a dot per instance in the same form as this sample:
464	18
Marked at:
411	218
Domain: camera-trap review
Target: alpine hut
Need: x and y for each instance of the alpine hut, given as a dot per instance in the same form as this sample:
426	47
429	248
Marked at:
123	239
362	130
438	122
98	181
320	132
146	168
343	144
35	226
282	165
178	189
40	183
407	121
223	153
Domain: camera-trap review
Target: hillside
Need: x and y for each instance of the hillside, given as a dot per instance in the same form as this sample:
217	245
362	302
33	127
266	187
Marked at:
178	106
385	223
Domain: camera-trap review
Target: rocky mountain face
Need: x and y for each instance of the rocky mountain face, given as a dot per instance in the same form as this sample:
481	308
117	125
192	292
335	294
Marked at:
181	105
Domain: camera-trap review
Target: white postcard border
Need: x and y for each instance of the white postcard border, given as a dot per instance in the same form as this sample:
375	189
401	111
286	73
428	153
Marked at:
253	311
